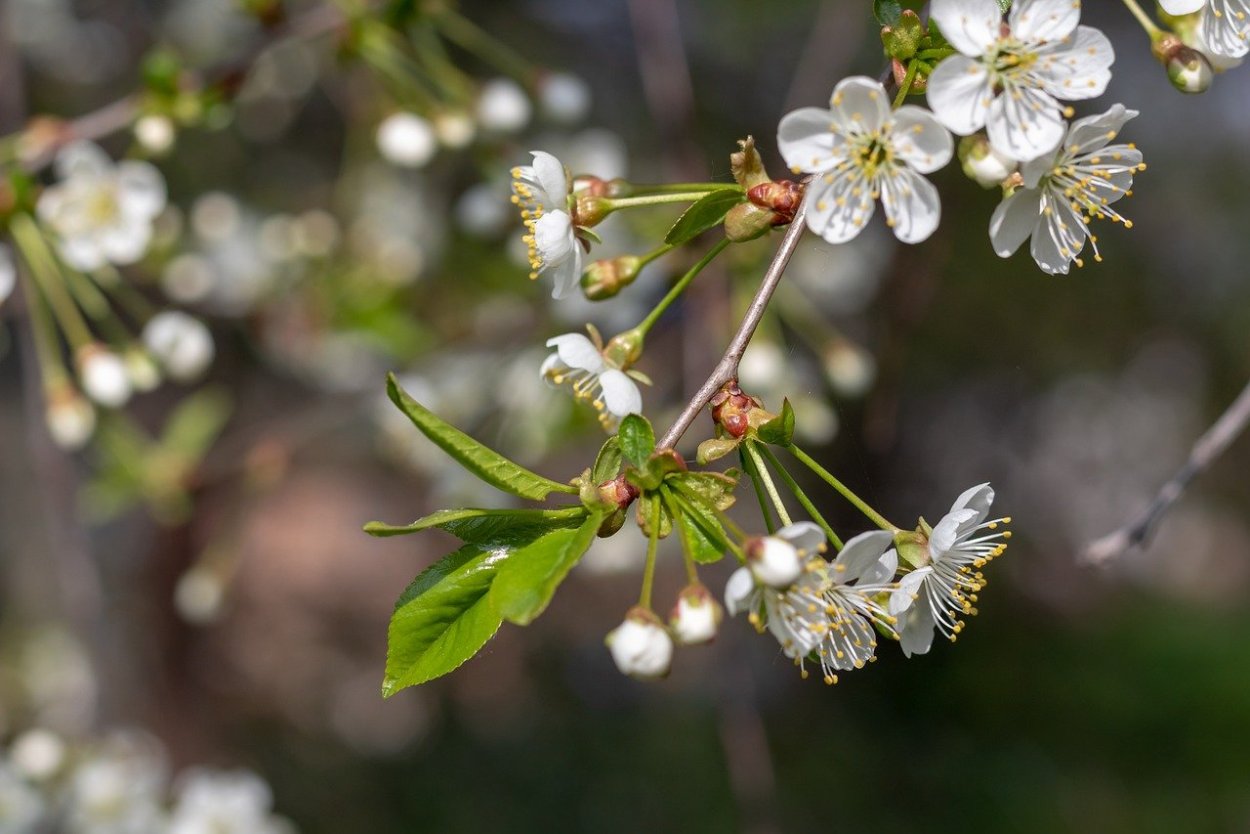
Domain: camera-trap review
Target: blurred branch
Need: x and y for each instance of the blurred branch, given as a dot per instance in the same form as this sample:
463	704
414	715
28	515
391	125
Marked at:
116	115
1209	447
727	369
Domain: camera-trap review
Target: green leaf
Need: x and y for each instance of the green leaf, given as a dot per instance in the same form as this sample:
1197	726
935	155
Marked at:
705	213
486	463
693	524
529	578
608	461
887	11
716	489
442	619
779	431
637	439
484	525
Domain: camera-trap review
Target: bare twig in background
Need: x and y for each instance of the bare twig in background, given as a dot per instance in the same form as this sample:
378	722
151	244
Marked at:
1208	448
727	369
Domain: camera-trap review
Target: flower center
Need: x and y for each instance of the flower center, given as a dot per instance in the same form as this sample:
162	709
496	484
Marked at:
872	153
1010	61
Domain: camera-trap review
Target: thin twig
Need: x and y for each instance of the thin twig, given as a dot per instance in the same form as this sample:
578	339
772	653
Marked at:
116	115
727	369
1209	447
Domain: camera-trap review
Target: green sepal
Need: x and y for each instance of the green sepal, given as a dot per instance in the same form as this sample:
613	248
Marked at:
528	579
483	525
637	439
706	212
887	12
779	431
442	619
608	461
485	463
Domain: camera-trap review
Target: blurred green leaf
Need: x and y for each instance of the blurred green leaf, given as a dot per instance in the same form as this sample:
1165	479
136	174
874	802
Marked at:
483	525
705	213
443	618
886	11
637	439
485	463
529	578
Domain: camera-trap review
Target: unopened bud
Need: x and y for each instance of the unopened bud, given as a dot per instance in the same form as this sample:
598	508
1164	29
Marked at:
783	198
503	106
141	368
103	375
982	164
605	278
747	221
1189	70
70	417
774	561
454	128
623	349
589	209
696	616
919	82
913	548
747	165
181	343
736	412
641	647
156	133
903	38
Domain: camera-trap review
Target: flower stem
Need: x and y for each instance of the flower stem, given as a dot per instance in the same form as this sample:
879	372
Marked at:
472	38
680	287
801	496
913	66
50	280
671	187
767	481
748	465
43	334
1144	19
648	573
873	516
654	199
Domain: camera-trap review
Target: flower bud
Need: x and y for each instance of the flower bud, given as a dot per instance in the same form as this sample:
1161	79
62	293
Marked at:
1189	71
747	165
103	375
747	221
38	754
732	410
70	417
623	349
454	129
155	133
181	343
564	98
982	164
590	208
696	616
605	278
641	646
774	561
502	106
782	197
903	38
406	139
141	369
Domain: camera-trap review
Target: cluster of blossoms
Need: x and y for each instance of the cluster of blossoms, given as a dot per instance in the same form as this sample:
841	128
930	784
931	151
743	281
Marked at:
121	785
904	586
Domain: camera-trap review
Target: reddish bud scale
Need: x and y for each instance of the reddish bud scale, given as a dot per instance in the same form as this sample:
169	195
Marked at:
731	410
618	491
782	198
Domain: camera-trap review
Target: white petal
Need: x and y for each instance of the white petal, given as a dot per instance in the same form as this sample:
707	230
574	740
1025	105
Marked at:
1078	68
960	94
125	242
1059	238
567	274
908	588
1025	123
804	535
81	252
1044	20
971	26
554	237
82	159
946	531
861	553
1094	132
1014	220
839	210
576	351
882	570
1224	36
8	273
916	636
1179	7
806	141
141	189
738	591
912	205
978	498
920	139
549	172
620	393
859	104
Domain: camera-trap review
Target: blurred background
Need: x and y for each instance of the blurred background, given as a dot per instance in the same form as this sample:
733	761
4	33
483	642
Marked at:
225	610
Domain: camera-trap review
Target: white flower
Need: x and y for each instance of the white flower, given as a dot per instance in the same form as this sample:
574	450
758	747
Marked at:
117	791
832	611
640	646
406	139
565	98
938	594
1009	79
104	376
502	106
1223	25
696	616
70	418
1063	192
778	560
38	754
8	273
860	151
21	806
542	191
581	365
222	802
454	128
982	164
101	212
181	343
155	133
